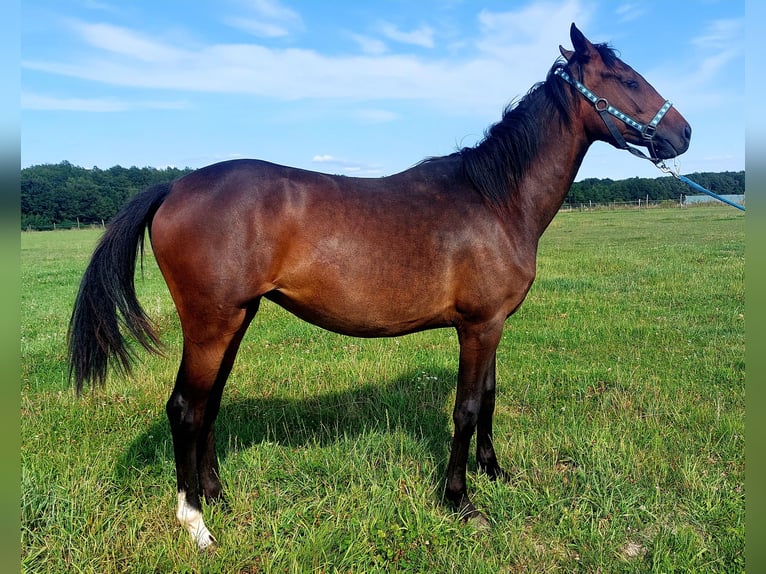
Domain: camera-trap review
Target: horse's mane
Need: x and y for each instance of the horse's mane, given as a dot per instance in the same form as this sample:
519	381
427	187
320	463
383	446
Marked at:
496	165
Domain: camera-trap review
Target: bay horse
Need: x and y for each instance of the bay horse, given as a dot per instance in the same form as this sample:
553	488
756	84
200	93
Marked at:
450	242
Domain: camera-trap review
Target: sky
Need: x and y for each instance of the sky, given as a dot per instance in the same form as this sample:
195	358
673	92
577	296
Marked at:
355	88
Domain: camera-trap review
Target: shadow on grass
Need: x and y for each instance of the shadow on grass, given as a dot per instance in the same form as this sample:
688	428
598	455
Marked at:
414	403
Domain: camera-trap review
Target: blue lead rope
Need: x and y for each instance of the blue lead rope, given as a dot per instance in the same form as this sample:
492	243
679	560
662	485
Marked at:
664	168
698	187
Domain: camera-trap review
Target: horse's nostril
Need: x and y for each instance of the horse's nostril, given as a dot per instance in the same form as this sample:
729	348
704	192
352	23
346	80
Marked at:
688	131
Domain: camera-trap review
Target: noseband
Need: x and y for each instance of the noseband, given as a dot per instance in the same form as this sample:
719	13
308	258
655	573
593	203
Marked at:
605	110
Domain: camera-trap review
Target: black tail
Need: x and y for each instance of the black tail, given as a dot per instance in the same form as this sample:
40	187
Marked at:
106	287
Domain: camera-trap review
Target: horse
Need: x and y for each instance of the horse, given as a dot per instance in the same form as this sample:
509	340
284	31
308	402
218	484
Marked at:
448	243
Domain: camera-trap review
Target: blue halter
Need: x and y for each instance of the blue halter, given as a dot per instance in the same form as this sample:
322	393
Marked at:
604	109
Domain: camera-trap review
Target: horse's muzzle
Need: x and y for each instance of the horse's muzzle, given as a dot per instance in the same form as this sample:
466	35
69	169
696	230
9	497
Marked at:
666	145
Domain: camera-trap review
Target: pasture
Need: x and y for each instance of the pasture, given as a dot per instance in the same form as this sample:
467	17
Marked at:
620	418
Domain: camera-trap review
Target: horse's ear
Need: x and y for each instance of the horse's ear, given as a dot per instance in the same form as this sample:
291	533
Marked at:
566	53
582	45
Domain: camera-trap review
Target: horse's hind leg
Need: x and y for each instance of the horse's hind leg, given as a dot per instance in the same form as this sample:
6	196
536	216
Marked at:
208	357
207	458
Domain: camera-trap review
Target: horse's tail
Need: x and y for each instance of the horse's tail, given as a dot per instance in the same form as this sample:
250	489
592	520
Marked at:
106	288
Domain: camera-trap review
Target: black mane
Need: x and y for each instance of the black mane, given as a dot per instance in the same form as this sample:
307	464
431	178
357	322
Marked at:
496	165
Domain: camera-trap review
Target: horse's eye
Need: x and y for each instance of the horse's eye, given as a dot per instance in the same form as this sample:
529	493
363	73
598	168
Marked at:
632	84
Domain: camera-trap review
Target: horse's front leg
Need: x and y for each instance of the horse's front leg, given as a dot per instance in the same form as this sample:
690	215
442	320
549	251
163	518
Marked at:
477	359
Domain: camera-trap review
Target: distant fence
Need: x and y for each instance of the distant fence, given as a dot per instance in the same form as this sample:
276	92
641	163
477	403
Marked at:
684	201
64	225
636	204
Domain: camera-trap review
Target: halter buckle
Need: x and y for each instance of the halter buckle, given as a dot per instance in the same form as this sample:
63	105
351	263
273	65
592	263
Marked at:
648	132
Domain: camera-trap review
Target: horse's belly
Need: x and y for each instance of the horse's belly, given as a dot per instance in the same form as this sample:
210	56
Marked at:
363	314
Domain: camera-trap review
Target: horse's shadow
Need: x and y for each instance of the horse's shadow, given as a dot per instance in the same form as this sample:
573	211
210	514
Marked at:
414	403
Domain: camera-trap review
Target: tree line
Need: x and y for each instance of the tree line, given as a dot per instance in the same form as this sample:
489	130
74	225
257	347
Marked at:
65	195
601	191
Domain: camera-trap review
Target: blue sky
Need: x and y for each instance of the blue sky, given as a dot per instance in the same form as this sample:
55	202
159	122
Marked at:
358	88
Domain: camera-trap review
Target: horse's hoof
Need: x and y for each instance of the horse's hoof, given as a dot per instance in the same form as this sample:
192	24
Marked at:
501	475
495	472
470	515
479	522
206	543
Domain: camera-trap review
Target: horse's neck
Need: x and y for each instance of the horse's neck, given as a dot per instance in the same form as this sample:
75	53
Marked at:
543	190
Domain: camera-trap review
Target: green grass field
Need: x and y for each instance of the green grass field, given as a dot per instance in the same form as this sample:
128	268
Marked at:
620	417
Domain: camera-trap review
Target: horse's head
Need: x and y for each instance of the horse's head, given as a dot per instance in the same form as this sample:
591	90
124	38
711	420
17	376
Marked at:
620	105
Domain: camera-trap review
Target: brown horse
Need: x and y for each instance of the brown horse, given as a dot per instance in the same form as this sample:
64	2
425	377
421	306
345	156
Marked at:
451	242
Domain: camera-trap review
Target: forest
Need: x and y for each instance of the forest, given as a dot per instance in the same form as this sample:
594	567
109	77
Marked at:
63	195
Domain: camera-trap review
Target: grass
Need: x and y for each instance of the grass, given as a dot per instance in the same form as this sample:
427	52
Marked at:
620	417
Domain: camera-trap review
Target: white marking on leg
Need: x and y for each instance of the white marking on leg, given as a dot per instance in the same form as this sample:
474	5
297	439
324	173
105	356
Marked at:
191	519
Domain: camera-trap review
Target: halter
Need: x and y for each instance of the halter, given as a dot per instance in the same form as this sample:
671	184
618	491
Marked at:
647	131
604	109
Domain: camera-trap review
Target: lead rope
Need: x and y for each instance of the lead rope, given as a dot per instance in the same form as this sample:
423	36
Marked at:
675	173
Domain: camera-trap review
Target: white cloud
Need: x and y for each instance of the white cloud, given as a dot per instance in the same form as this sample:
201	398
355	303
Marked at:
512	52
258	27
124	42
712	78
721	34
287	74
524	33
102	7
34	101
375	116
266	19
369	45
331	163
30	101
630	11
710	67
423	36
273	9
718	45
